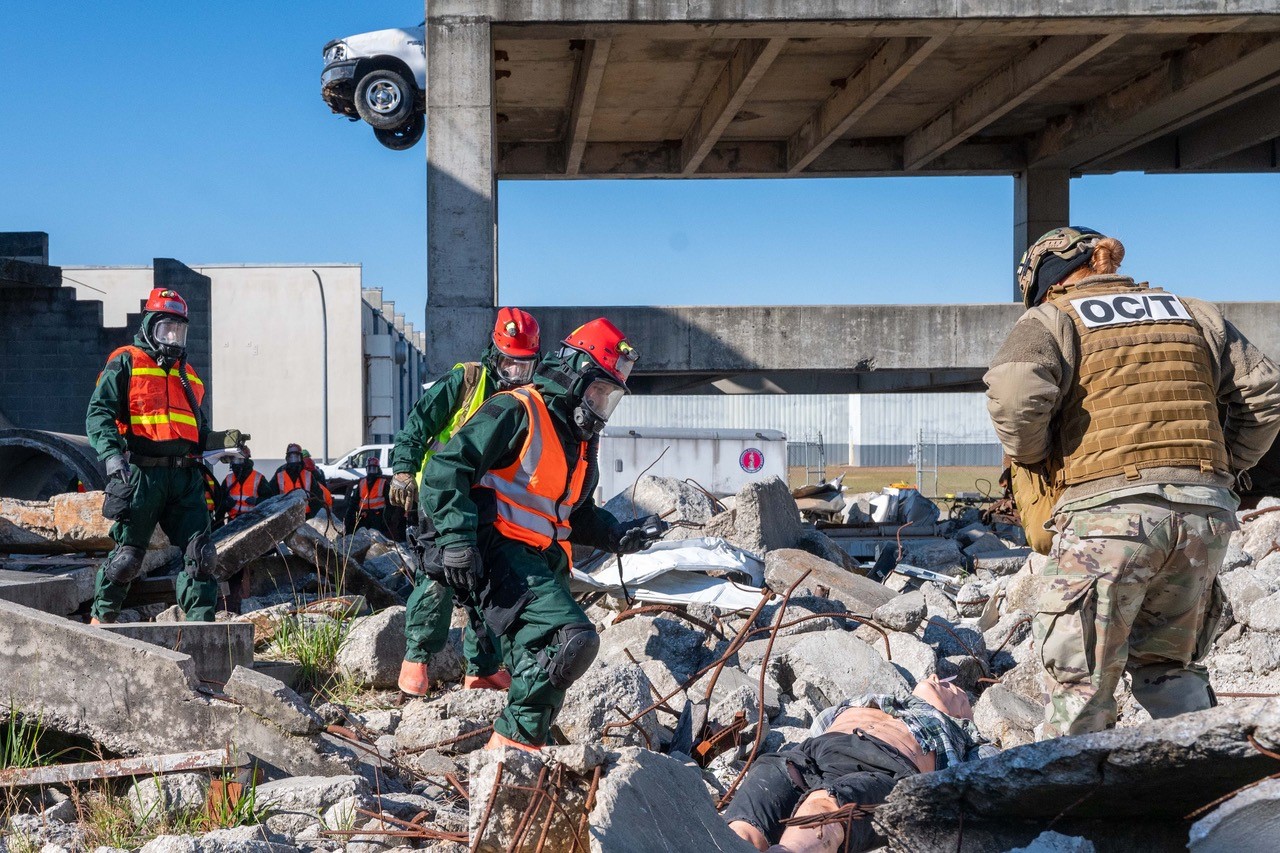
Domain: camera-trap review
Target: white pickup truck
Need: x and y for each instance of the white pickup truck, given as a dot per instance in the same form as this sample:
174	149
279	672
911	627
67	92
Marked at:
380	77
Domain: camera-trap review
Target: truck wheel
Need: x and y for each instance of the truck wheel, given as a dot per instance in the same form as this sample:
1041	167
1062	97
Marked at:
384	99
404	137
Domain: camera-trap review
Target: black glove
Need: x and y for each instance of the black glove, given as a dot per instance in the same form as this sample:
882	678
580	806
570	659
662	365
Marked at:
225	439
119	490
463	568
630	537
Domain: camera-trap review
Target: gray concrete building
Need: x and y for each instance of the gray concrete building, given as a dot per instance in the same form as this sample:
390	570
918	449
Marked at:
1040	90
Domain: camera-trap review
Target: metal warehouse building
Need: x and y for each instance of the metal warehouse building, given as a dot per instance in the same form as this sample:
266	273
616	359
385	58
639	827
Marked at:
859	429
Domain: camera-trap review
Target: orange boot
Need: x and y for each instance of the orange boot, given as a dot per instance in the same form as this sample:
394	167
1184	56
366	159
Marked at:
413	678
497	741
500	680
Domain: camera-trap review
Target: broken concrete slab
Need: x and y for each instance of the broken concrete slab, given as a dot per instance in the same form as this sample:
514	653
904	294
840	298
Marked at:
155	799
257	531
374	649
215	648
426	722
831	667
63	524
137	698
1249	822
272	700
901	613
647	801
674	500
764	517
1122	789
300	802
341	570
1005	718
49	593
596	699
861	595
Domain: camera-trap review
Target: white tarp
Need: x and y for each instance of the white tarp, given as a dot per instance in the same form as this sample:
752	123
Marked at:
675	573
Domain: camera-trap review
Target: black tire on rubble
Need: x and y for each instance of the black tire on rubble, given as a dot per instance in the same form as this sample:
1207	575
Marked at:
385	99
404	137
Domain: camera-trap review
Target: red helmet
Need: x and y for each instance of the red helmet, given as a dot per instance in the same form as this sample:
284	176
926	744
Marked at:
165	301
516	333
606	345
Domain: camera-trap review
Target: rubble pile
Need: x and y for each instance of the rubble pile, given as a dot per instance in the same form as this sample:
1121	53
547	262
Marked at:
657	734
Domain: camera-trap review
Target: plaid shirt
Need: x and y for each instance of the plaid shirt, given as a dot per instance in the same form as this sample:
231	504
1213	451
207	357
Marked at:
951	740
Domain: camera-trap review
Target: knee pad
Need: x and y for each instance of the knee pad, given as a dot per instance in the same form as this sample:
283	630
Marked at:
201	558
578	644
124	564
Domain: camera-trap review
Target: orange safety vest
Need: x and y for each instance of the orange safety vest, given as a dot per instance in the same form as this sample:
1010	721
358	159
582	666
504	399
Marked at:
375	499
158	407
287	484
537	493
244	496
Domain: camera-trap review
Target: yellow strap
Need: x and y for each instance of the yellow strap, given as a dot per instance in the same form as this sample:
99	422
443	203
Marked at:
170	417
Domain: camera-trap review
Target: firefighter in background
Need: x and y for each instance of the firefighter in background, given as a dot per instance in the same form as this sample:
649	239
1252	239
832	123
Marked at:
506	497
145	422
367	503
507	362
243	488
294	475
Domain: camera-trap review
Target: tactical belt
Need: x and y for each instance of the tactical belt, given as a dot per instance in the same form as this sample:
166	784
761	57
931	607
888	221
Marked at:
164	461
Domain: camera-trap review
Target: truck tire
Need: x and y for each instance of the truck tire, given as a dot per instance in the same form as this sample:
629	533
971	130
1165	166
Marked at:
384	99
404	137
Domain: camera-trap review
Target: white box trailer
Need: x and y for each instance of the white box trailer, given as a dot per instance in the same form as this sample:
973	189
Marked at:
720	460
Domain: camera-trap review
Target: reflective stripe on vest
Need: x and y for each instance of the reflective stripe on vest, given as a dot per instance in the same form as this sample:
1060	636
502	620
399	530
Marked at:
537	493
1143	394
158	406
286	483
244	496
375	500
468	407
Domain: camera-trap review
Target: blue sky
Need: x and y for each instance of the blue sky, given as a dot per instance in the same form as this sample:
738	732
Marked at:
132	130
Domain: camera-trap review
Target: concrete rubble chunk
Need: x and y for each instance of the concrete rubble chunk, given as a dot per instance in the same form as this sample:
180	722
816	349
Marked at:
1005	718
340	569
949	639
829	668
597	698
158	798
764	518
1056	842
257	531
1261	535
215	648
64	524
374	647
358	544
860	595
299	802
271	700
672	641
902	613
1249	822
673	499
135	698
1264	614
647	802
573	764
425	722
1130	787
913	659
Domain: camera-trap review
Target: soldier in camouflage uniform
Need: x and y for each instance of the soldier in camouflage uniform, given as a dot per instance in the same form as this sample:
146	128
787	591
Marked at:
1111	390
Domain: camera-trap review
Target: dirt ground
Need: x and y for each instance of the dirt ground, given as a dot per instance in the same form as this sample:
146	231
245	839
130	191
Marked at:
950	480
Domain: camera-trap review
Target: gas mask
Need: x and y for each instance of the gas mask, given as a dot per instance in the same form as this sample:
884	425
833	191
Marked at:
598	401
241	468
293	462
373	469
513	372
168	335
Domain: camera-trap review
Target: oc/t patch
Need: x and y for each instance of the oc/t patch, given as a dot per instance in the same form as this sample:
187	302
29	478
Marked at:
1114	309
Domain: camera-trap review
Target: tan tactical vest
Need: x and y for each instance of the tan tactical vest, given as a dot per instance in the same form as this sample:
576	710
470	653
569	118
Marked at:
1144	394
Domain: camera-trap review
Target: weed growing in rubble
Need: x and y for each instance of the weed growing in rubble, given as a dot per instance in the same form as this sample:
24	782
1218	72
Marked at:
314	644
20	742
110	819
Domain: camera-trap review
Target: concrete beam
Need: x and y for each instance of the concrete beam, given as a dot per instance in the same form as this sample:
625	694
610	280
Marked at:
750	60
215	648
1190	85
1041	202
47	593
892	62
754	158
1231	131
997	95
586	88
462	206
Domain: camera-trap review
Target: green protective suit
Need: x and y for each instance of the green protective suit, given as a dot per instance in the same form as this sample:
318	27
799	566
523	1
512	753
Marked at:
430	605
174	498
525	597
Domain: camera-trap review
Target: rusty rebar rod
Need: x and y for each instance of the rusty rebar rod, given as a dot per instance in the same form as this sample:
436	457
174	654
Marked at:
591	796
557	776
736	644
760	713
851	616
488	809
480	732
526	819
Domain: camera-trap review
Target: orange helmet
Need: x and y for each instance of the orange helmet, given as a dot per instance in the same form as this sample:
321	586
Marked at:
607	347
516	333
165	301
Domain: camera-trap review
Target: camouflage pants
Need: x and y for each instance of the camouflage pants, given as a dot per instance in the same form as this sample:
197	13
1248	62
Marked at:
1130	585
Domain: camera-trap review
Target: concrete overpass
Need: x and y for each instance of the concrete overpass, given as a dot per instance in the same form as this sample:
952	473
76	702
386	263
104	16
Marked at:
1038	89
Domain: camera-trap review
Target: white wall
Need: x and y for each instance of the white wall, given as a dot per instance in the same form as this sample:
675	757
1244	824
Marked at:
121	290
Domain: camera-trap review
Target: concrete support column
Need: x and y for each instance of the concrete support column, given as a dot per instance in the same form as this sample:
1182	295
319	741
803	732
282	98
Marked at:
1041	202
462	207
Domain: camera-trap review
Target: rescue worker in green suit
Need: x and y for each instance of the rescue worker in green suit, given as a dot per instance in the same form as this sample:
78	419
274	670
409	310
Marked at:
506	497
146	425
508	362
